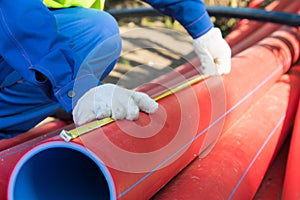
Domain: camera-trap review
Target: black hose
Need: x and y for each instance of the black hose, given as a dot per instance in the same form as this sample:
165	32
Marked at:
255	14
220	11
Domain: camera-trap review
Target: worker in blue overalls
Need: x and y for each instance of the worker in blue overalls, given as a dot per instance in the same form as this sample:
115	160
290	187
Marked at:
53	58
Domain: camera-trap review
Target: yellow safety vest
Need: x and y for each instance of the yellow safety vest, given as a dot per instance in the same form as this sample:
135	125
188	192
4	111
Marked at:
97	4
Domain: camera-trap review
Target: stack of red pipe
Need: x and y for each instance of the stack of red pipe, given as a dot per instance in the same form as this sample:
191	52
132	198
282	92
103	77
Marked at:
248	112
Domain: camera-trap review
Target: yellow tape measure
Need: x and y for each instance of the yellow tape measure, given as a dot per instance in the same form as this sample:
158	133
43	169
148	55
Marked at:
74	133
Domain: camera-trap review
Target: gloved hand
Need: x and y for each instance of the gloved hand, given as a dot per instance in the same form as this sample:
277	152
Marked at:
109	100
213	52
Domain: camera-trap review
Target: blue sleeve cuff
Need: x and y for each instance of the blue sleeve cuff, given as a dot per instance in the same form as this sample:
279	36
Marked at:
200	26
69	95
191	14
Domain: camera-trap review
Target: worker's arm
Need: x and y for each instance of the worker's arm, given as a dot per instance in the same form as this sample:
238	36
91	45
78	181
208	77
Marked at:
212	50
31	44
191	14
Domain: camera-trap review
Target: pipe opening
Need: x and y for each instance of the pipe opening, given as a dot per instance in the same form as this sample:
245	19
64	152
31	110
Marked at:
59	173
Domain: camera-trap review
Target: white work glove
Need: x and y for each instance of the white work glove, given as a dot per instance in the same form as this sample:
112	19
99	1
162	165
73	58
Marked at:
109	100
213	52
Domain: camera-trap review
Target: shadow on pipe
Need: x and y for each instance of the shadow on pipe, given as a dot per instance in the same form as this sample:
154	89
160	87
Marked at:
60	172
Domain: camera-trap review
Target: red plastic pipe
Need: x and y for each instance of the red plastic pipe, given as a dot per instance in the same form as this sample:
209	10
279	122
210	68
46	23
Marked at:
255	3
36	132
291	187
272	184
252	4
245	27
236	166
255	31
130	160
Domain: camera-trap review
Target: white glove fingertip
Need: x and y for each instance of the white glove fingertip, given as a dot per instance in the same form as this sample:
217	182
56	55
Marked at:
152	107
145	103
224	66
208	67
132	111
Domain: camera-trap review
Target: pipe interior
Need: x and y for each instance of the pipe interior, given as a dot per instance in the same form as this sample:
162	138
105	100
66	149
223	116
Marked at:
60	173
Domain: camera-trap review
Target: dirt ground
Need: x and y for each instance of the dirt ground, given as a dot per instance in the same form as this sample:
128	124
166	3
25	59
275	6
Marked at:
149	53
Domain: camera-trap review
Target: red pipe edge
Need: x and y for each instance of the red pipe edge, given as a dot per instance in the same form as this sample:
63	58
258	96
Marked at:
180	117
255	3
236	166
31	134
245	27
241	39
291	187
272	184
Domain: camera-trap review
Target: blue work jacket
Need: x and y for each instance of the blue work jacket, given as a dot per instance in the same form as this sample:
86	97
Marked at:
31	45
